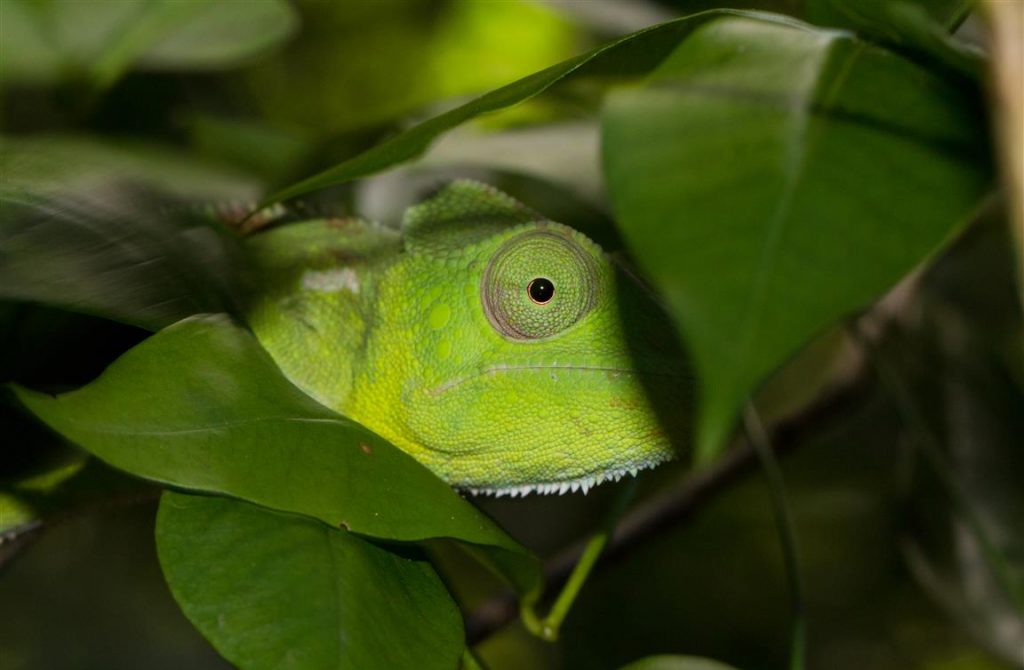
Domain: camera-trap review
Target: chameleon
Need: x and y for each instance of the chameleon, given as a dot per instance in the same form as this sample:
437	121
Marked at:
506	352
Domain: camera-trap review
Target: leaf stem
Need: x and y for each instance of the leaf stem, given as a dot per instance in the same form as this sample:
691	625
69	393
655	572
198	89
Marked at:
547	628
470	661
786	529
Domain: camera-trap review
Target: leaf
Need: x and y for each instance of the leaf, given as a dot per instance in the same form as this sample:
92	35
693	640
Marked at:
862	13
118	254
48	165
202	406
271	590
676	663
772	178
632	55
217	35
44	42
920	28
83	227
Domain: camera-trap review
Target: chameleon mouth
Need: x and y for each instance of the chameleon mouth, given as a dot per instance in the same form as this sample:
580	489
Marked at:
562	487
568	367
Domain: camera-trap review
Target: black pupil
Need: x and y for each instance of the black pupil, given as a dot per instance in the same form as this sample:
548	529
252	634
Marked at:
541	290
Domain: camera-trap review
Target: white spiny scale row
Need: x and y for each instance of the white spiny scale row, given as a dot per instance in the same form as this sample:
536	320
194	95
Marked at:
583	484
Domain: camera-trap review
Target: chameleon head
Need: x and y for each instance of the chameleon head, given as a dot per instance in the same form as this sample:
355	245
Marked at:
511	355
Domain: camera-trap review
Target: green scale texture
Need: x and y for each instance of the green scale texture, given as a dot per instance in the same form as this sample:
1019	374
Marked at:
432	339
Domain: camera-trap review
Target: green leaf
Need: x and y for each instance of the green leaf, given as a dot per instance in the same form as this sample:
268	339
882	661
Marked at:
919	27
676	663
117	254
47	165
271	590
214	35
43	42
772	178
202	406
864	13
100	229
629	56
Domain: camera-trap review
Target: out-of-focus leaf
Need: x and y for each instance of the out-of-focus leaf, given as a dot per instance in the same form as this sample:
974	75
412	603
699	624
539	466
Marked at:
14	514
72	481
216	35
920	28
853	165
422	51
563	153
857	15
42	42
61	164
504	41
630	56
202	406
264	149
676	663
25	55
117	253
17	507
84	227
271	590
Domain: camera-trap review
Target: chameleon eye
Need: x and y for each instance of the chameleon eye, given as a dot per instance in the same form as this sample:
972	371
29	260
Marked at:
518	287
541	290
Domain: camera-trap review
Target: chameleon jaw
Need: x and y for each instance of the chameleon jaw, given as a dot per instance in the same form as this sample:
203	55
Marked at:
583	484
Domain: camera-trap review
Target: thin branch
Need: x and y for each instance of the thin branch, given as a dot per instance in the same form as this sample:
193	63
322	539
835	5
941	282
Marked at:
786	528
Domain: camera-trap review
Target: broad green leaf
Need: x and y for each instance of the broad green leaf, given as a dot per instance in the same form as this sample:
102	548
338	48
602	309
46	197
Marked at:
101	229
272	590
629	56
772	178
202	406
43	42
676	663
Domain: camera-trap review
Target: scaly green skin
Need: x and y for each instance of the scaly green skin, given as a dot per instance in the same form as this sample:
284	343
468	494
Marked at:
432	340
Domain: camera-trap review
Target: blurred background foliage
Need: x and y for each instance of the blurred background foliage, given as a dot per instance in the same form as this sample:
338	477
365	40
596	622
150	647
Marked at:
230	100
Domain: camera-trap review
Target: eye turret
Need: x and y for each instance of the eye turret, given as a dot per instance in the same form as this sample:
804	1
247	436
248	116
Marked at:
538	284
